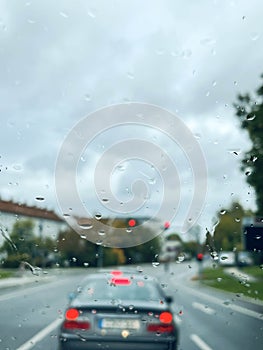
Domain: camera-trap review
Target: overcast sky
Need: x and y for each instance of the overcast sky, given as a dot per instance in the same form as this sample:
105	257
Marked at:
61	60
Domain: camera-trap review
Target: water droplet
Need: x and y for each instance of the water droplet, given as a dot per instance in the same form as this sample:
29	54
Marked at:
101	232
121	167
155	263
91	14
86	264
251	116
98	216
99	242
237	219
214	83
248	172
87	97
105	200
235	151
197	136
128	230
254	36
214	255
224	257
17	167
152	181
208	41
63	14
180	258
130	75
258	237
222	212
139	269
39	198
86	226
74	259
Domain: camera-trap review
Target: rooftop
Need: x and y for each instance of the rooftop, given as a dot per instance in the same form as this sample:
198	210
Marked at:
23	209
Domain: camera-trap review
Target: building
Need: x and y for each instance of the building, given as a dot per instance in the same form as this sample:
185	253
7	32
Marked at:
46	222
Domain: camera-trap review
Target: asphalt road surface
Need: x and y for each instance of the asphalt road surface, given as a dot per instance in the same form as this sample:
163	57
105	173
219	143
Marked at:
30	315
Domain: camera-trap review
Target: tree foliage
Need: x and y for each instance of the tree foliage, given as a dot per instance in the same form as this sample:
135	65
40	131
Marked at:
23	245
249	110
228	232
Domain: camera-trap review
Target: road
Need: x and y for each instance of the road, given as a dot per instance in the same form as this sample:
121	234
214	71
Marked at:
30	315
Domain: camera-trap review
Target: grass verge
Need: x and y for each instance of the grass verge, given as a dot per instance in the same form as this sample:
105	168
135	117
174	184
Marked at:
6	274
217	278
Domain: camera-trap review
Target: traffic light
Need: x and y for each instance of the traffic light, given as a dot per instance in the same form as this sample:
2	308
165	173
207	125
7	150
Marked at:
132	222
166	225
200	257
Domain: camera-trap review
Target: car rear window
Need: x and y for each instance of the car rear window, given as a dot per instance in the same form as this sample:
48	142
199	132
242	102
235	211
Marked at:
111	289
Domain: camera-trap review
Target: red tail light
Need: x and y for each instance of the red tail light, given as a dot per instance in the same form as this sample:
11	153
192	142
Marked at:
72	314
166	317
160	328
121	281
76	325
165	325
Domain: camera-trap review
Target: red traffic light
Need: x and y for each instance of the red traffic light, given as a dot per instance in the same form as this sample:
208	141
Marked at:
200	256
132	223
166	225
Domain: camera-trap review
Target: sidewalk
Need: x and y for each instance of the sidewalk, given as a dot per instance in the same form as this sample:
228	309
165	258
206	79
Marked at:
26	278
235	272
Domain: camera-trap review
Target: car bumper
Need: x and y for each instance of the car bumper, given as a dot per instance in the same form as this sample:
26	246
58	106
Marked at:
117	344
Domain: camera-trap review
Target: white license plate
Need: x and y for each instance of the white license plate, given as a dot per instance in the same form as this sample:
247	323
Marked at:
119	323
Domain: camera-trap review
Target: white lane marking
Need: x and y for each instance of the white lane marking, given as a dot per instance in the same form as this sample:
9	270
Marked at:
199	342
203	308
40	335
220	302
178	320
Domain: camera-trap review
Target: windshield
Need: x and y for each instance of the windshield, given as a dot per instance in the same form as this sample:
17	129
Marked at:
131	140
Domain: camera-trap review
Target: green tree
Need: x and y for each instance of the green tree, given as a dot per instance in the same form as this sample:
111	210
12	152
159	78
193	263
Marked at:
21	243
75	250
249	110
113	256
143	252
174	237
227	235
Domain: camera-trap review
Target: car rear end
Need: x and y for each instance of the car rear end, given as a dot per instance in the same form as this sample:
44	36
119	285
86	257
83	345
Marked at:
118	327
119	313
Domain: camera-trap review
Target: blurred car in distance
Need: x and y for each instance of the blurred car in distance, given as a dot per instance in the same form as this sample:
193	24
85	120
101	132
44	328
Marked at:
244	258
119	310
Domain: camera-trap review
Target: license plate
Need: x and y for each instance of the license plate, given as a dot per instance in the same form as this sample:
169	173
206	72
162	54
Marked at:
119	323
